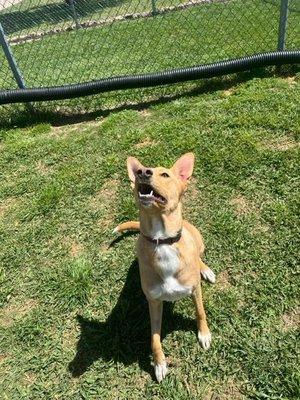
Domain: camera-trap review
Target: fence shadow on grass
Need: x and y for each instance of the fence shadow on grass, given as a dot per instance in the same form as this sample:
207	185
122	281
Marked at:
125	335
52	14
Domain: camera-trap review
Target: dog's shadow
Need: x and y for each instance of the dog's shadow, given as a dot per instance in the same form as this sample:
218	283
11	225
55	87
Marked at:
125	335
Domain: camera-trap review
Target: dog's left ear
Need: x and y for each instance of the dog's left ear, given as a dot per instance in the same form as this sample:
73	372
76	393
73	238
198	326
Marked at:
133	165
184	166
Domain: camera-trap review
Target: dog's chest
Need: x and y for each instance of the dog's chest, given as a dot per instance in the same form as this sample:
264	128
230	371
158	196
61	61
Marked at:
167	263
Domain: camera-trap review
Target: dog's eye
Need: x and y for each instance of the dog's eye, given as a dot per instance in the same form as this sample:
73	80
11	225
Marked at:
165	175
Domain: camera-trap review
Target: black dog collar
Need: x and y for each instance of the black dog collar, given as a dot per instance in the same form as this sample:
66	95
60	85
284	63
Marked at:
169	240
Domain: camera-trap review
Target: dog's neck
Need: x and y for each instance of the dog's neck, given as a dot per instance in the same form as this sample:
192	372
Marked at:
158	225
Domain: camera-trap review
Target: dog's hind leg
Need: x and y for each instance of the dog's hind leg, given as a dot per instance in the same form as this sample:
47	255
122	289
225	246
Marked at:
204	335
206	272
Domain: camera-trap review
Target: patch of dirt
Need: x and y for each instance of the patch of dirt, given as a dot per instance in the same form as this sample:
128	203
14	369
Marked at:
29	378
105	246
282	144
145	112
142	380
291	320
16	311
104	201
76	249
5	367
260	228
208	395
61	130
42	168
291	80
64	130
229	391
241	205
7	204
106	194
227	92
145	143
3	358
69	338
223	281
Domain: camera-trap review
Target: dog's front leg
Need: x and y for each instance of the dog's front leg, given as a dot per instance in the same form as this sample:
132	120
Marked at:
160	365
204	334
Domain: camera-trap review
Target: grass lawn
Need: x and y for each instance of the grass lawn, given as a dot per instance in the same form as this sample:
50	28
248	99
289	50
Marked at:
74	322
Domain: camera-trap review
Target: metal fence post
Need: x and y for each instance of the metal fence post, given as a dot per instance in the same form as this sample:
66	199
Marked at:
284	7
154	9
71	3
11	59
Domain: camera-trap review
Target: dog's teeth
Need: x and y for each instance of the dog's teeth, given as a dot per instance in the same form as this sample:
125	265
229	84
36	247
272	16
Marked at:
143	195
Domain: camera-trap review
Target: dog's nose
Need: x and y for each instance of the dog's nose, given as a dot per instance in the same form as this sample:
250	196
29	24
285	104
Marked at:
144	173
148	172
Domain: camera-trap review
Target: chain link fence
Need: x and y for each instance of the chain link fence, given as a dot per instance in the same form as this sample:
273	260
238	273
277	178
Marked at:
58	42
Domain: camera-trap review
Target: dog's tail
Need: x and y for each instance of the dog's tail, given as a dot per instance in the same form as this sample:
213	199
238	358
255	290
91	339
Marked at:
127	226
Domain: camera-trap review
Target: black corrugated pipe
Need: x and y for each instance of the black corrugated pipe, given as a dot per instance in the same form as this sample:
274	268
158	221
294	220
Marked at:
153	79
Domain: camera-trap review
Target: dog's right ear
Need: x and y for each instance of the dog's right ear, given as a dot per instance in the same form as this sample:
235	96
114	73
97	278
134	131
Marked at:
184	166
133	165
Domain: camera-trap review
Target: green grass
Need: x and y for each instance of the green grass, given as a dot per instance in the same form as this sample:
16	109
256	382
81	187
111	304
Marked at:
202	34
74	322
45	15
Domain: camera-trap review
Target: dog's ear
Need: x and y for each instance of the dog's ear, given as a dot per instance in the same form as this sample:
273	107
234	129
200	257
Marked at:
184	166
133	165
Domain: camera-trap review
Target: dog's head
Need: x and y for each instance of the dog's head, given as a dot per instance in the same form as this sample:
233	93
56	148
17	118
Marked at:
160	188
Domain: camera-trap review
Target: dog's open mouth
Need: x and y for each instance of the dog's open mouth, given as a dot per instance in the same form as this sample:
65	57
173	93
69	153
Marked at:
147	194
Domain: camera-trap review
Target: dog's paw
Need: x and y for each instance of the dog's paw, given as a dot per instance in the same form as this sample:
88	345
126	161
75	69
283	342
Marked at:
161	371
208	275
204	340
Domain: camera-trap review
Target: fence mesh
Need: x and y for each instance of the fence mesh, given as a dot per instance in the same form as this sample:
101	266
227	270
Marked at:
61	42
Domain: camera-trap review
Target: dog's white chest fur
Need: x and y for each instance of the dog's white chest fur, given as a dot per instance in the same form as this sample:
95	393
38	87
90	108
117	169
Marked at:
167	264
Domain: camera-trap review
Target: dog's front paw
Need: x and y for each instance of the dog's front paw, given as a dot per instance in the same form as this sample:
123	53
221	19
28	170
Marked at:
208	275
204	340
161	371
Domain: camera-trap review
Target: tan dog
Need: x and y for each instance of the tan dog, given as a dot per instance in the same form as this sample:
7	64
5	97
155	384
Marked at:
169	248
